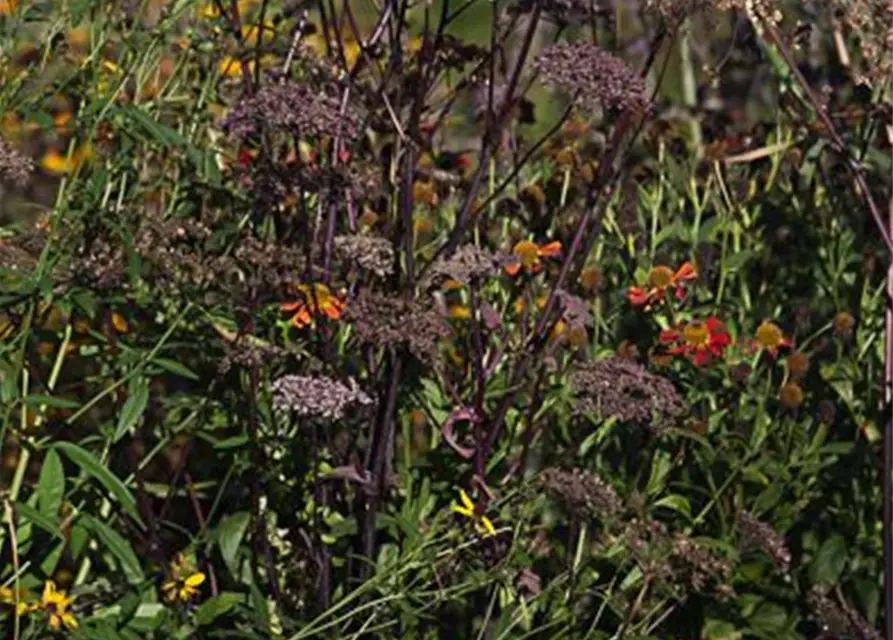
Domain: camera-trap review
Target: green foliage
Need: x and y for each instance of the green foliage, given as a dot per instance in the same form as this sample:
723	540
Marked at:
305	332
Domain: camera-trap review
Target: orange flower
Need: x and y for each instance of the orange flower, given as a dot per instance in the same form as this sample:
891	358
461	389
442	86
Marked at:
661	278
701	341
770	337
528	256
317	299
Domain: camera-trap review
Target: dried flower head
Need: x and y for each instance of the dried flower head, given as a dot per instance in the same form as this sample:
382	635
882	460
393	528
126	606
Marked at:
387	320
676	560
594	76
756	535
626	390
583	494
14	166
872	20
468	264
843	324
295	108
316	396
837	621
369	253
790	395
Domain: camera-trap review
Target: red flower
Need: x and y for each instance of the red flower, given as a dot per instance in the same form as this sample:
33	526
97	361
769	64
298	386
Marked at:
700	341
661	278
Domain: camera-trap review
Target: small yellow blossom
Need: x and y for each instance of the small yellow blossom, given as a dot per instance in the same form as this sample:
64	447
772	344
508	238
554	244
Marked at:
481	522
184	581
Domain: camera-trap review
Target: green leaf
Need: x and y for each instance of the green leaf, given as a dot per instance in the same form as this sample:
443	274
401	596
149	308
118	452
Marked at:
230	532
172	366
33	515
769	619
51	485
38	400
216	606
829	561
737	260
118	546
112	483
676	503
134	406
660	467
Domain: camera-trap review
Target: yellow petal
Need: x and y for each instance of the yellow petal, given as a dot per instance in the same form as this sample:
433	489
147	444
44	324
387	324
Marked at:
488	525
462	510
195	579
466	500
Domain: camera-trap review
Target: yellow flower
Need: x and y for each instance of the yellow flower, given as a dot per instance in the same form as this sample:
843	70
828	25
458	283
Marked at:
459	312
119	322
528	254
231	67
184	581
184	589
770	337
481	522
8	7
55	162
57	605
317	299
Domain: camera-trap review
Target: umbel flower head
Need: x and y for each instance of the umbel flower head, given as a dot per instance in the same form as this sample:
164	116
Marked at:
593	76
316	396
295	108
625	390
14	167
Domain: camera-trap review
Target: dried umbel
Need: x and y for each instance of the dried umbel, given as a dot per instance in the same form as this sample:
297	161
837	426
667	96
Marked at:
369	253
838	621
625	390
246	353
759	535
676	560
467	265
295	108
14	166
583	494
594	77
872	20
382	320
316	396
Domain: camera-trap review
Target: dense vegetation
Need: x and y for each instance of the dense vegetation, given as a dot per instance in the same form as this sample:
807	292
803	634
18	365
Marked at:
485	319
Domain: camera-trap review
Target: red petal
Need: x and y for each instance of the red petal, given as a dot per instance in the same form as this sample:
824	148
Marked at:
668	336
702	357
637	296
551	249
513	269
686	272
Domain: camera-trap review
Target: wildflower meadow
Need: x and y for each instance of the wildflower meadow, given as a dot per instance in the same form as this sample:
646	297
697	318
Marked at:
460	319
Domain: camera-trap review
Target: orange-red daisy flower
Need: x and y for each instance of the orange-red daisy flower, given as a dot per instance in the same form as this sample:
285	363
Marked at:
316	299
771	338
528	256
661	278
700	341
